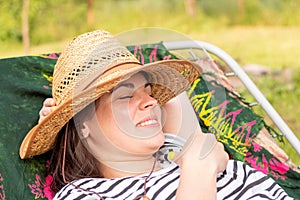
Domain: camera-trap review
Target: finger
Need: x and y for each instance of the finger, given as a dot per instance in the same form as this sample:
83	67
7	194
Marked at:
44	112
49	102
47	110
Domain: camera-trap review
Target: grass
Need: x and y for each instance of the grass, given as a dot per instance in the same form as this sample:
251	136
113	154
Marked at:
272	47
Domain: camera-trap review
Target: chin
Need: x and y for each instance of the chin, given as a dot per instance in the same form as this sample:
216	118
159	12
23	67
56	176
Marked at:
157	141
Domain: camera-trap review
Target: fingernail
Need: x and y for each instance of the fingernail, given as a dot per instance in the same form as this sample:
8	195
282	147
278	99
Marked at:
51	102
52	109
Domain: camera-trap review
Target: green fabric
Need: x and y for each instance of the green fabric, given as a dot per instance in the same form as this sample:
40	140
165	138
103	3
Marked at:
236	126
26	81
23	88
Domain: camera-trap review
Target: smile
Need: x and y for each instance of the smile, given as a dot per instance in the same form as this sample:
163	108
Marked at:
148	123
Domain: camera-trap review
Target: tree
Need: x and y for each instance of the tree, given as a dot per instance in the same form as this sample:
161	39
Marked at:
241	7
25	26
90	13
190	7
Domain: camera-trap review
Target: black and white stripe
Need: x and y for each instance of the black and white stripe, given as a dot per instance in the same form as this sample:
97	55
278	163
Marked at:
240	181
237	182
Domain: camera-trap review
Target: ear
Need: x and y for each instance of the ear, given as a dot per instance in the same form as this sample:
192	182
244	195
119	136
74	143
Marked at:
85	131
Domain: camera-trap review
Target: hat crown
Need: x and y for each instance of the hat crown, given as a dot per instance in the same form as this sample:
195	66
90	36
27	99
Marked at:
90	53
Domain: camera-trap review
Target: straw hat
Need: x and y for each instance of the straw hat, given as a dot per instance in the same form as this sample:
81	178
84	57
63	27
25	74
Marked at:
91	65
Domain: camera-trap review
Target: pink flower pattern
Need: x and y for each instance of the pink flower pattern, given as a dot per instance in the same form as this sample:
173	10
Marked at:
257	147
272	166
2	191
153	54
47	189
139	54
167	57
42	189
36	187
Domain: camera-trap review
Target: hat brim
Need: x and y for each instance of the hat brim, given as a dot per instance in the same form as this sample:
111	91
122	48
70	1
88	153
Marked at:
169	78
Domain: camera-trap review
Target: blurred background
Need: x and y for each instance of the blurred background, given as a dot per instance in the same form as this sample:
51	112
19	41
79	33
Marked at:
263	36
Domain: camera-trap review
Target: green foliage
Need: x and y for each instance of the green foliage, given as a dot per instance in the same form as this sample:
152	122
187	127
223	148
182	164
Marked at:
47	20
50	19
255	12
10	21
53	20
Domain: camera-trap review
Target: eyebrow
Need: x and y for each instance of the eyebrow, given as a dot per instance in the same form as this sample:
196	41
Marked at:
130	85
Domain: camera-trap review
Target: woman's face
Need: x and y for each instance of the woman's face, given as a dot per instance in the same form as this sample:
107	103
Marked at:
129	118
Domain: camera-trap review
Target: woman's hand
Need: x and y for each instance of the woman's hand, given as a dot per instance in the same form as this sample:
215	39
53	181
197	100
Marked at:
49	106
202	159
203	150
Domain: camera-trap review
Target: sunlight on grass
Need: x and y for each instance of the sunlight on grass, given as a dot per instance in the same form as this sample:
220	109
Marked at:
273	47
17	49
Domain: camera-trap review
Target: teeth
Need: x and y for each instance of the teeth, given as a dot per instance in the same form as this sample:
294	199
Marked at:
149	122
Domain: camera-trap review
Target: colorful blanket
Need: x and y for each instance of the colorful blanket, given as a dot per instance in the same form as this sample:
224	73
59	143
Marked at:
26	81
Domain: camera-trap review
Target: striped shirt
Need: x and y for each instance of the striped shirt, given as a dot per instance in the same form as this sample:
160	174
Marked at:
238	181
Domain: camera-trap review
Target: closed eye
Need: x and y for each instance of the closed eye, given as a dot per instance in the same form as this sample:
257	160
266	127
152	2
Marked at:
125	97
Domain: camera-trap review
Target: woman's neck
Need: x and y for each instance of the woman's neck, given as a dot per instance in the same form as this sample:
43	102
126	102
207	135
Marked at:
111	169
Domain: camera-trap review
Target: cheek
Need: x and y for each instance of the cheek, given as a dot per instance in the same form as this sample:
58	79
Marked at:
123	112
116	118
104	116
125	108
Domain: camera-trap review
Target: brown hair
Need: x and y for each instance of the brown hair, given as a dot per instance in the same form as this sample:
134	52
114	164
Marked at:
70	159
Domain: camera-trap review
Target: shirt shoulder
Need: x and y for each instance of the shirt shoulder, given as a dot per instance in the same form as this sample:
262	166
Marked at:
122	188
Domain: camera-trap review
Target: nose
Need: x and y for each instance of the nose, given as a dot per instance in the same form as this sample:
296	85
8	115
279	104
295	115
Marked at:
147	101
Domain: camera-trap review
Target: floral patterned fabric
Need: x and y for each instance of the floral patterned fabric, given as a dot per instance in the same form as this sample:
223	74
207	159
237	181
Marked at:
26	81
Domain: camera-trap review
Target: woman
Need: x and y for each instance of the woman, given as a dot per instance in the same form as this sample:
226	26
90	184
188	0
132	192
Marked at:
107	135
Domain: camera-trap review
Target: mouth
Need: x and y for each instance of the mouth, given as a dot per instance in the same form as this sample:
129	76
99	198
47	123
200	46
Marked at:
148	122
